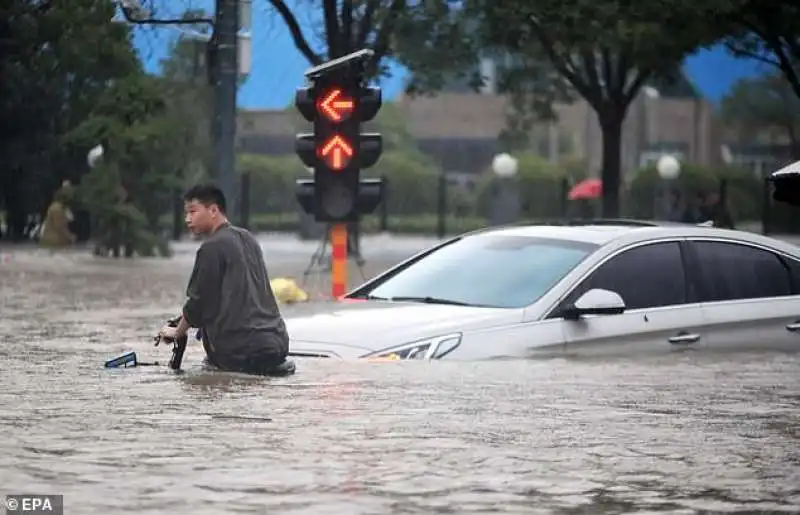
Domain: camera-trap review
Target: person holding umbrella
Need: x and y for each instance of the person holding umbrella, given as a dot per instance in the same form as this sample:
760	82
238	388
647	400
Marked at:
584	192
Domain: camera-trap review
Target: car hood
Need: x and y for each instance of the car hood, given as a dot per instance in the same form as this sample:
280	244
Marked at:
362	327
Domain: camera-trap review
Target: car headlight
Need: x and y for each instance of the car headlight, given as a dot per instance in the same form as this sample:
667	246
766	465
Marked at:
427	349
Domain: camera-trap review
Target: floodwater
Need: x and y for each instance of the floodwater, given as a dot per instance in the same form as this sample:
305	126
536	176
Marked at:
679	434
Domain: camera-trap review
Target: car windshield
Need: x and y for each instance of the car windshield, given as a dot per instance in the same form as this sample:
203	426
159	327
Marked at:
489	270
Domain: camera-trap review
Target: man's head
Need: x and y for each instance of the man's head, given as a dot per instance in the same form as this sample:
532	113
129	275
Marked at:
204	206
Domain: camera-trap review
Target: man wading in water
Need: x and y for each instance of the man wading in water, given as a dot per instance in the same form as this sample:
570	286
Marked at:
229	296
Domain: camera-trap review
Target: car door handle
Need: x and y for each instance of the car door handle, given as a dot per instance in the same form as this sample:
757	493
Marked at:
795	327
684	338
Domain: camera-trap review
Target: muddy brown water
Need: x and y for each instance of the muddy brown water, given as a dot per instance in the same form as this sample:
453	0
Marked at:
678	434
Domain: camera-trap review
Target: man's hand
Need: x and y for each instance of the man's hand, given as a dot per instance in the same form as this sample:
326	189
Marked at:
168	333
172	333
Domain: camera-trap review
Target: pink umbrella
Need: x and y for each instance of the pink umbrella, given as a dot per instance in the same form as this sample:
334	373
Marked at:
586	190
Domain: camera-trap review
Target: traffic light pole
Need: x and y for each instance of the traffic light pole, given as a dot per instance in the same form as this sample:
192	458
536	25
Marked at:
338	260
337	102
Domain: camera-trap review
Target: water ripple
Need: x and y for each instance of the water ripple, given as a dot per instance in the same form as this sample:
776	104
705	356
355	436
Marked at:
677	434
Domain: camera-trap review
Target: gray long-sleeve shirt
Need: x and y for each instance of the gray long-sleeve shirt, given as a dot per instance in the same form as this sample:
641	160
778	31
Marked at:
230	299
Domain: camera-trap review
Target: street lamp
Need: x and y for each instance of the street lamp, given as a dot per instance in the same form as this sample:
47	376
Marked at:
669	169
505	165
505	198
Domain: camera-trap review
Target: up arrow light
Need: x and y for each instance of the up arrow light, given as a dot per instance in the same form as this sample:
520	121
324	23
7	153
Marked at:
334	106
336	152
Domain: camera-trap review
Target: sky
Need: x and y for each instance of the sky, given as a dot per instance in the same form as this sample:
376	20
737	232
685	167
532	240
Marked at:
277	67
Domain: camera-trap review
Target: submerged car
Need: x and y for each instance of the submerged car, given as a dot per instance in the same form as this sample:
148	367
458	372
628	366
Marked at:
603	288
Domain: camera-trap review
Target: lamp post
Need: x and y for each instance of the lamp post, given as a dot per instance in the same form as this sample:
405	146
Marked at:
505	200
669	169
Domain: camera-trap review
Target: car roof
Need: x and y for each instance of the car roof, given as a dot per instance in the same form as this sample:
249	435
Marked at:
621	232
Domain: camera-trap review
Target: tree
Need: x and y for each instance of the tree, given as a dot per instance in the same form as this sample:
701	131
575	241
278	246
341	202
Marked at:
760	103
428	37
768	31
189	95
145	144
58	58
605	49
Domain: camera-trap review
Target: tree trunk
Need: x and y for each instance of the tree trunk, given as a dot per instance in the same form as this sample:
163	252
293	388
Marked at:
611	125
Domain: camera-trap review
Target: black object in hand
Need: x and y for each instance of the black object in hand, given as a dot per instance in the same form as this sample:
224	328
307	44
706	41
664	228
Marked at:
178	345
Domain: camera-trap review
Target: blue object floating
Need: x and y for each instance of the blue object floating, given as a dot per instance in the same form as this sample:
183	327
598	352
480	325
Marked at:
126	360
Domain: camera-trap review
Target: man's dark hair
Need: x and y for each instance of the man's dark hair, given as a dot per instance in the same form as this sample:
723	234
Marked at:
206	194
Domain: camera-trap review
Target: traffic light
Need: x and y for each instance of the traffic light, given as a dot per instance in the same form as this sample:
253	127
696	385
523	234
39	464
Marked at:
337	102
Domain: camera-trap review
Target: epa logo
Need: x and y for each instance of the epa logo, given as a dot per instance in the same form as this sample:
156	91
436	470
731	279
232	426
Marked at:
51	504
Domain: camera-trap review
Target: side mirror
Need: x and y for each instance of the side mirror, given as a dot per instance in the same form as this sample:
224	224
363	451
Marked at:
595	302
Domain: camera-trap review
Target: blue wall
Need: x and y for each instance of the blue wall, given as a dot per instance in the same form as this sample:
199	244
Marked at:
277	67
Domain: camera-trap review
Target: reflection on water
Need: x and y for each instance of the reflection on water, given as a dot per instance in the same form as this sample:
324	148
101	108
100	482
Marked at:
675	434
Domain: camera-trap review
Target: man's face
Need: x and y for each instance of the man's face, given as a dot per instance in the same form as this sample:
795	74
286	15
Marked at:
200	219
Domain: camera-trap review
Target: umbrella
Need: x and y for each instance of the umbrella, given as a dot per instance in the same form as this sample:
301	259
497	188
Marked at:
787	184
586	190
792	169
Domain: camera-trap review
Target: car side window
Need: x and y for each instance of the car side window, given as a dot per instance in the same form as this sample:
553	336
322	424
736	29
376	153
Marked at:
731	271
794	268
647	276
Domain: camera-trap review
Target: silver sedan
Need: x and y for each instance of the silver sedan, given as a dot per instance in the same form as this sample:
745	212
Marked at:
547	291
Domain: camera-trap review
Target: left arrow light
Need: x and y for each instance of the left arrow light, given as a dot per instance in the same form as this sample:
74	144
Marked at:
334	106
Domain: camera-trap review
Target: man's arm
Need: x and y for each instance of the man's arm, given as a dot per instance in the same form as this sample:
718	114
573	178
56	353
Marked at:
203	286
182	328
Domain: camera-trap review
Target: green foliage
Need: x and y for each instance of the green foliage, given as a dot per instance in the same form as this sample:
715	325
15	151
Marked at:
744	190
272	181
763	103
145	150
435	41
542	187
606	50
114	222
60	58
767	31
412	180
424	224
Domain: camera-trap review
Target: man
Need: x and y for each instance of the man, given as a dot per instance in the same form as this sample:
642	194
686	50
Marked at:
693	212
229	295
674	212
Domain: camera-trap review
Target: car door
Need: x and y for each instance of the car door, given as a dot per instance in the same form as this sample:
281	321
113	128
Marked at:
749	298
661	314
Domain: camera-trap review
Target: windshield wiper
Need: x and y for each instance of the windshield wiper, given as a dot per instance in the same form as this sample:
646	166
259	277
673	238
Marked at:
368	297
431	300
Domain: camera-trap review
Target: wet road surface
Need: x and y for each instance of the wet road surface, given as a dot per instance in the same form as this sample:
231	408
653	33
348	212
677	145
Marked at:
679	434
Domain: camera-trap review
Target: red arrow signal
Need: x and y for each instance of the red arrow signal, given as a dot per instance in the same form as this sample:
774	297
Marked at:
336	152
335	106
